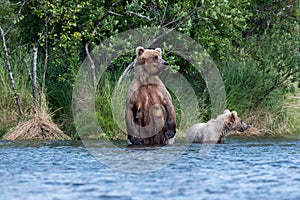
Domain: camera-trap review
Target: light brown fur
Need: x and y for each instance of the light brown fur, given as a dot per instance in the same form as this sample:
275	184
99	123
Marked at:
150	114
215	130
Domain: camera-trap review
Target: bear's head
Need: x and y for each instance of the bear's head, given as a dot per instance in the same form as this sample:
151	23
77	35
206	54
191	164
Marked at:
149	61
234	123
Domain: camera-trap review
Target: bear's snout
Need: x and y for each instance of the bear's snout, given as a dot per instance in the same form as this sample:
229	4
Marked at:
243	127
246	127
164	65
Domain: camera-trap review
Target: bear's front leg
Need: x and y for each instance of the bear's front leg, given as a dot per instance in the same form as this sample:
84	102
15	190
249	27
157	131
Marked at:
170	130
170	125
221	140
135	140
169	134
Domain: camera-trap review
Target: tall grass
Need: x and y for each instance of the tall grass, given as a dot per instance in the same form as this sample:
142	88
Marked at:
245	83
60	103
292	105
106	101
8	107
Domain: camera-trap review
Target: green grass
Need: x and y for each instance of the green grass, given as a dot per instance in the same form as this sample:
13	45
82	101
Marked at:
292	105
245	84
8	108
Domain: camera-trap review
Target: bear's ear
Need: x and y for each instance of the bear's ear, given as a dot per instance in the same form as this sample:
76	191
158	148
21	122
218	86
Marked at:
139	51
226	111
158	50
233	116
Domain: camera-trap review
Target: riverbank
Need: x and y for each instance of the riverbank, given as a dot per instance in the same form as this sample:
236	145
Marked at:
259	121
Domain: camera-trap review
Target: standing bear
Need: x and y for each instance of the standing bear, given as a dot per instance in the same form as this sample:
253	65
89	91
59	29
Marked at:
150	114
215	130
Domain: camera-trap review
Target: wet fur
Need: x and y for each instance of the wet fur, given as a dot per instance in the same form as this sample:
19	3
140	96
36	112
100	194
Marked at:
215	130
150	114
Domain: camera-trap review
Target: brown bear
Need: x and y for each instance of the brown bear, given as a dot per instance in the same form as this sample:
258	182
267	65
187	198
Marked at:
215	130
150	114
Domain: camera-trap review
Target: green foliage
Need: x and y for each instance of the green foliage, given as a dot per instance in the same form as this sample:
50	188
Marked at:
245	83
292	105
103	103
254	43
219	27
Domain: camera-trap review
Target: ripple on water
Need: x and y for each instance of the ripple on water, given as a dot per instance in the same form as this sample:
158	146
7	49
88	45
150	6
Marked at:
239	169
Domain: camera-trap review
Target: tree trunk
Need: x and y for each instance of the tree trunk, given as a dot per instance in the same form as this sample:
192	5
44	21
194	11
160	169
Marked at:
11	77
93	69
46	57
34	78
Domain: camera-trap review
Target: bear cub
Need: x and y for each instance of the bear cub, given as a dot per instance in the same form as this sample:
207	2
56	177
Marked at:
215	130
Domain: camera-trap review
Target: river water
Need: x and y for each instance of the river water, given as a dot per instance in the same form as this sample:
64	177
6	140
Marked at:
243	168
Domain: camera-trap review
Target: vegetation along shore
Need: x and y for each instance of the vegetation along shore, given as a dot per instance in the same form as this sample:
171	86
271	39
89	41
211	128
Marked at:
255	45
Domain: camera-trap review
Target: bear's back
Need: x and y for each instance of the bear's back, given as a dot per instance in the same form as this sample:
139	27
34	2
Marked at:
196	133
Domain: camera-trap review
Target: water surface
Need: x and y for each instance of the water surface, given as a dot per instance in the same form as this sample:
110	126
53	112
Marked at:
243	168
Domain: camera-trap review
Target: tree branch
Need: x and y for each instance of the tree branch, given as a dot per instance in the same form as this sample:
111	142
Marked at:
139	15
180	23
11	77
18	14
86	45
19	47
164	15
114	13
274	87
46	56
